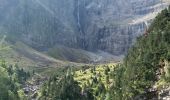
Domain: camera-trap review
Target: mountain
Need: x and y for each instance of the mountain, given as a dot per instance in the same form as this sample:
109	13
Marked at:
107	26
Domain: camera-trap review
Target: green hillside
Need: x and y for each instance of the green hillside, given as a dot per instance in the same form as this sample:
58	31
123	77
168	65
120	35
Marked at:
29	58
147	62
87	83
69	54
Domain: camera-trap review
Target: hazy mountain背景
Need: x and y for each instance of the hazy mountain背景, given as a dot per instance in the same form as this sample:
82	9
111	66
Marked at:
84	50
104	26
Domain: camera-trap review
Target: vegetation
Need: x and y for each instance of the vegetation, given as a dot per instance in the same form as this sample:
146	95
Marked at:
11	78
95	80
63	88
69	54
89	83
144	61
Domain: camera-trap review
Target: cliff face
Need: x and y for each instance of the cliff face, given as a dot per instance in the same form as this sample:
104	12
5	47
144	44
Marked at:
112	26
40	23
107	25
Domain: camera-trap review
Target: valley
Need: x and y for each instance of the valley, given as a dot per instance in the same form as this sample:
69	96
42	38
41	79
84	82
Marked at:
84	50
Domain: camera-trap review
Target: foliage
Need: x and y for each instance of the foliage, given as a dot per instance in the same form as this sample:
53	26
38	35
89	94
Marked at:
138	72
63	88
95	81
89	83
11	78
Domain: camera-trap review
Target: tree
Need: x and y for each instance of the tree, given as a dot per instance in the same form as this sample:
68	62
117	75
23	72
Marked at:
66	88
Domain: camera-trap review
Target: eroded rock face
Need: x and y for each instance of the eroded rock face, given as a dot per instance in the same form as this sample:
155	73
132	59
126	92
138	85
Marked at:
112	26
107	25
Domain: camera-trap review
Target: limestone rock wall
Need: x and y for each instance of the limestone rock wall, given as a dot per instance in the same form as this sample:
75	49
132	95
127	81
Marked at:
108	25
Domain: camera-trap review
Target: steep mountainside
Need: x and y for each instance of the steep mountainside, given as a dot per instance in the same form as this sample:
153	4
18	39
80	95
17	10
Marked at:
108	25
145	73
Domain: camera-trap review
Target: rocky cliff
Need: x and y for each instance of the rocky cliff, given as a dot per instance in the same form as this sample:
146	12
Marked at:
106	25
112	26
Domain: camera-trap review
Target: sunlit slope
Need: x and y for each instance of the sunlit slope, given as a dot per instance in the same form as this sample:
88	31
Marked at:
96	77
83	76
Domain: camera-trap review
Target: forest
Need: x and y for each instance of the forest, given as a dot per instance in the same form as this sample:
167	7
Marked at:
11	80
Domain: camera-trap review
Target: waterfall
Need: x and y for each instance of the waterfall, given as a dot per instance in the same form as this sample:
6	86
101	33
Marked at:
78	16
3	39
1	43
146	23
79	25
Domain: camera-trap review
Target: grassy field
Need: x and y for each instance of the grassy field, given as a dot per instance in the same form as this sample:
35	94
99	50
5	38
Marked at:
68	54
